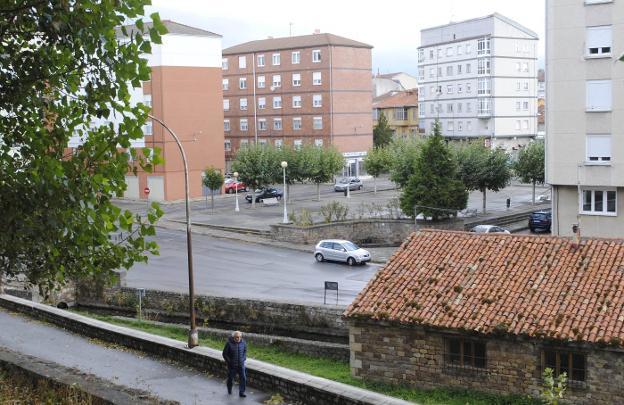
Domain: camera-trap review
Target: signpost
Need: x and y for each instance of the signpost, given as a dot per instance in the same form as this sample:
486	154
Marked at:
333	286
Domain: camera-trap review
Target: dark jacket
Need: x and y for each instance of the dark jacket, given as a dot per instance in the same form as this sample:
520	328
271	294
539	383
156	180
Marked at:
235	353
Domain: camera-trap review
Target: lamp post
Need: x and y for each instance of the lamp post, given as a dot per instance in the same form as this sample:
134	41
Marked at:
237	209
193	338
284	166
349	180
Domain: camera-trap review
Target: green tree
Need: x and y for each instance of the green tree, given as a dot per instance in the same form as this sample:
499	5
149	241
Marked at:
382	133
324	164
403	154
377	162
213	179
62	67
530	164
553	388
296	172
257	166
482	168
434	189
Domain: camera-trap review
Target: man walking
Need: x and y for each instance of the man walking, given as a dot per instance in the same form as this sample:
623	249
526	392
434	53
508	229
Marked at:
235	355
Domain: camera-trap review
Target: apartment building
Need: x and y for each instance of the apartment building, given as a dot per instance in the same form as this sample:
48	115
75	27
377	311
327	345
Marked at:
400	109
479	79
399	81
312	89
584	117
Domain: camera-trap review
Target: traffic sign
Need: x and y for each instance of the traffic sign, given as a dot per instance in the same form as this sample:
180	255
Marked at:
146	190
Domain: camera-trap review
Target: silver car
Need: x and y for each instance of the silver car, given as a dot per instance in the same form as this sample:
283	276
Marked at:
488	229
352	182
341	251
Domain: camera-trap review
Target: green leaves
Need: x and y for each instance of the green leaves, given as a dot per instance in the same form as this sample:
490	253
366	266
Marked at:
382	133
530	164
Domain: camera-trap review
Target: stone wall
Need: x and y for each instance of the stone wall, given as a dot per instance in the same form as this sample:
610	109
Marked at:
415	356
376	232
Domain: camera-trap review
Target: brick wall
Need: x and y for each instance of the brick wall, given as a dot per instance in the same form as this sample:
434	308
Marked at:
415	356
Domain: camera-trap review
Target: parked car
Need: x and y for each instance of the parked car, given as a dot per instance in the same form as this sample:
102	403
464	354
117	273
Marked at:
540	221
264	193
352	182
489	229
233	186
341	251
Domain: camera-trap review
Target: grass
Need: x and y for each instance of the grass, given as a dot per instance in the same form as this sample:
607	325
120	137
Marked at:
16	389
331	369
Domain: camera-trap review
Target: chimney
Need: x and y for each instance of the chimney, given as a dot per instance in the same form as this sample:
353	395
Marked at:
576	242
317	31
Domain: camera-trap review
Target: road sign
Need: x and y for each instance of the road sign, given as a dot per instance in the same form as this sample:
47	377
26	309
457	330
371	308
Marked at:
333	286
146	190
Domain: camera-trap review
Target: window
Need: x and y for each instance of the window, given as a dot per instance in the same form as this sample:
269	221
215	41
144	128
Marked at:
317	123
468	107
242	83
598	148
517	125
421	109
262	125
277	102
483	86
225	83
525	66
518	66
468	68
317	100
526	86
459	107
400	114
277	124
459	49
260	60
226	105
261	82
598	41
421	55
598	95
421	91
439	53
432	109
430	53
297	144
242	62
459	69
518	86
459	126
468	88
483	66
277	81
450	126
460	88
449	89
449	51
439	72
226	125
316	55
296	79
316	78
431	73
243	104
468	125
296	57
227	145
573	364
465	353
296	101
318	142
484	106
278	143
261	103
518	105
449	108
468	48
224	63
275	59
243	143
421	73
262	141
449	70
296	123
525	105
483	46
243	124
148	128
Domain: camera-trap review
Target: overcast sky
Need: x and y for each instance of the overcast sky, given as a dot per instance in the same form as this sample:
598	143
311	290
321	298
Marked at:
393	28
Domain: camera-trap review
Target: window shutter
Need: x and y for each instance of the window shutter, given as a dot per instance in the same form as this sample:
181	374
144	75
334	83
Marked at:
598	146
599	95
599	37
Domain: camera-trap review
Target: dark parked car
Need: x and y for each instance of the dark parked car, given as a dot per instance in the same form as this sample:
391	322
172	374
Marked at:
265	193
540	221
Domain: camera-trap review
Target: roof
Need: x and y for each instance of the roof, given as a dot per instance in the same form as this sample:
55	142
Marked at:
303	41
494	15
538	286
407	98
174	28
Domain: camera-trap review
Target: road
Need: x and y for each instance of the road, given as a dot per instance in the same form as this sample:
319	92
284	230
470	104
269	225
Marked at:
237	269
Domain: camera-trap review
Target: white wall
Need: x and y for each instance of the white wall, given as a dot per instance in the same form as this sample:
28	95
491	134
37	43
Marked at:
186	50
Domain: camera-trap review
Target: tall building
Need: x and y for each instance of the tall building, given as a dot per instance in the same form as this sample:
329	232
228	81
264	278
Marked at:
479	78
312	89
584	117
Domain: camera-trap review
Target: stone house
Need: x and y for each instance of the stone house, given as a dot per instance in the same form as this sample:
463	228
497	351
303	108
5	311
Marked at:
490	312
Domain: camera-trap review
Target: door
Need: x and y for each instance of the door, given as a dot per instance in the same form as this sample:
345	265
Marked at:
340	253
156	185
132	191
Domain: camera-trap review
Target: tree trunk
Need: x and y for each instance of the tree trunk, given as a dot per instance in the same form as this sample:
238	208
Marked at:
212	200
484	191
375	183
318	191
533	192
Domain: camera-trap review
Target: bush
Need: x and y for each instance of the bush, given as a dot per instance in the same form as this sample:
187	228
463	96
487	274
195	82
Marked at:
334	211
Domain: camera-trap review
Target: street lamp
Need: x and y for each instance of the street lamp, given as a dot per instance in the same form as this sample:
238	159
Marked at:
193	338
284	166
237	209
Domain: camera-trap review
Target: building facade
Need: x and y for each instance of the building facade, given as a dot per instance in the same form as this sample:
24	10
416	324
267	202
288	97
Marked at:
399	81
479	79
584	127
312	89
401	110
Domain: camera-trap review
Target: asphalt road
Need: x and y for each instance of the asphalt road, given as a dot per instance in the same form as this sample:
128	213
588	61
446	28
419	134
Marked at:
237	269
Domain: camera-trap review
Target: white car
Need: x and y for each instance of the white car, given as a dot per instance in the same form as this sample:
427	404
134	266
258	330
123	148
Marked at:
489	229
341	251
352	182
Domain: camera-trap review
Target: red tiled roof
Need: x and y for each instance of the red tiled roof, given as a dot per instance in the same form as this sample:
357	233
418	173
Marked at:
540	286
407	98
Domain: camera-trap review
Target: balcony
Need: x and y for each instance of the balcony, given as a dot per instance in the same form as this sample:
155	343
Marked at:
484	114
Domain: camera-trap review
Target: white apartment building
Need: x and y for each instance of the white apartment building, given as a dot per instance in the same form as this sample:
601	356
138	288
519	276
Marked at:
584	116
479	79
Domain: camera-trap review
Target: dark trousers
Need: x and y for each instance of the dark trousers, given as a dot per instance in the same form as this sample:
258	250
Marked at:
242	378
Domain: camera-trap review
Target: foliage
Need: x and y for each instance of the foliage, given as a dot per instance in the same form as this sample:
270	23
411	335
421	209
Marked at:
434	187
403	153
304	218
18	388
63	73
323	164
213	180
482	168
334	211
257	166
382	133
530	164
553	388
377	162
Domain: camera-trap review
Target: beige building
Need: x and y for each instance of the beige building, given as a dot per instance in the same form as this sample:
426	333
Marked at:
311	89
584	117
400	109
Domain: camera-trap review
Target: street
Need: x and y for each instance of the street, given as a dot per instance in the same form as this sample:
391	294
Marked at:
237	269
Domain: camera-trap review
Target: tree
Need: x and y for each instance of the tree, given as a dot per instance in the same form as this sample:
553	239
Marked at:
296	170
213	179
377	162
434	189
62	68
403	154
382	133
530	164
324	163
482	168
257	166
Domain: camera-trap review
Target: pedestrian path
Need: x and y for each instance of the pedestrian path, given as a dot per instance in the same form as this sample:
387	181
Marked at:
164	379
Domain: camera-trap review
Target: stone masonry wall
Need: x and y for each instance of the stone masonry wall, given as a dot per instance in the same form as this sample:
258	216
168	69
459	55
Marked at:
415	356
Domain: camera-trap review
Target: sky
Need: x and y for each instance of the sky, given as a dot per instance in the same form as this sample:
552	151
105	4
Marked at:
393	30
